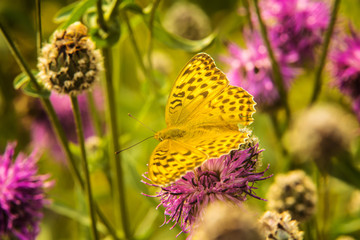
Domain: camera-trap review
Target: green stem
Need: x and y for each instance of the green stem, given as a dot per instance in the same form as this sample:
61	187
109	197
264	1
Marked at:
101	20
96	121
38	24
248	13
118	182
329	32
278	79
278	132
151	28
113	12
135	45
81	140
55	123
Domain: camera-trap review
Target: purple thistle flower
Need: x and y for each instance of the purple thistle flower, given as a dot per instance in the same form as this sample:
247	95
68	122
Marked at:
21	195
297	27
251	69
346	69
42	133
228	178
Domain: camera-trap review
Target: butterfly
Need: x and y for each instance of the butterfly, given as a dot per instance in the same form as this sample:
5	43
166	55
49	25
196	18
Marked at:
202	114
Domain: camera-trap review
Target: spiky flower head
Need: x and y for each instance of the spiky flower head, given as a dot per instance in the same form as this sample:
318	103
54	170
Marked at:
187	20
251	69
228	178
22	195
321	132
293	192
70	63
296	27
346	69
223	220
280	226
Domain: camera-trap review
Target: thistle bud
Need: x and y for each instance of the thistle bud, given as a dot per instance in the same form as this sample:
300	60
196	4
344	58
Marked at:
293	192
280	226
70	63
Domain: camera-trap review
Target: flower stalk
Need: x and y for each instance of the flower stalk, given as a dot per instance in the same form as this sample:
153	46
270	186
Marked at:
278	79
329	32
88	191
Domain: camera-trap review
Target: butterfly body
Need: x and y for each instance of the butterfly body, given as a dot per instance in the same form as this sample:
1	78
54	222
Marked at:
203	114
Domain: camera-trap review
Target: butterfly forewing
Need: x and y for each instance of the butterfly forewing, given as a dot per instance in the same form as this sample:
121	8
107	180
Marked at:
171	159
198	83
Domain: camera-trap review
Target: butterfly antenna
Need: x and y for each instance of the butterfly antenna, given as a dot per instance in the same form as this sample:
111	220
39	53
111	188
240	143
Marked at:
117	152
141	123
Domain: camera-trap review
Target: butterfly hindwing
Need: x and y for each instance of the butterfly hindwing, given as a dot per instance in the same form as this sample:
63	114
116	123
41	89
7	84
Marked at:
198	83
171	159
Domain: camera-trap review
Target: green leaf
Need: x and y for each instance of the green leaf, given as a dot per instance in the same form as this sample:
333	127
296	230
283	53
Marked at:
64	13
30	90
21	79
73	12
71	213
173	41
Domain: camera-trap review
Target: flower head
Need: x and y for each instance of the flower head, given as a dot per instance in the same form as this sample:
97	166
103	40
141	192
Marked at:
296	26
187	20
251	69
280	226
346	69
21	195
223	220
293	192
320	133
228	178
70	63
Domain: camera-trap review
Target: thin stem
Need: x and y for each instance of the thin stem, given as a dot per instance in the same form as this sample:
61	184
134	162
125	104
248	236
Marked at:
113	9
151	27
248	13
278	79
328	34
135	45
101	20
96	121
81	140
118	182
55	123
39	29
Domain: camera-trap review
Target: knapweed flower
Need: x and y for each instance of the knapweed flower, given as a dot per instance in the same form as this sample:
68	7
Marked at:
42	134
293	192
296	27
346	69
228	178
70	63
187	20
320	133
22	195
280	226
223	220
250	68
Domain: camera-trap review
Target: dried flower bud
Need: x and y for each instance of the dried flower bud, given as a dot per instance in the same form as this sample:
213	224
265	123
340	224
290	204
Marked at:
223	221
187	20
320	133
293	192
278	226
70	63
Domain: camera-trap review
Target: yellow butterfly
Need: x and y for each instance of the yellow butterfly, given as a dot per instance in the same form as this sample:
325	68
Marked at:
202	116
